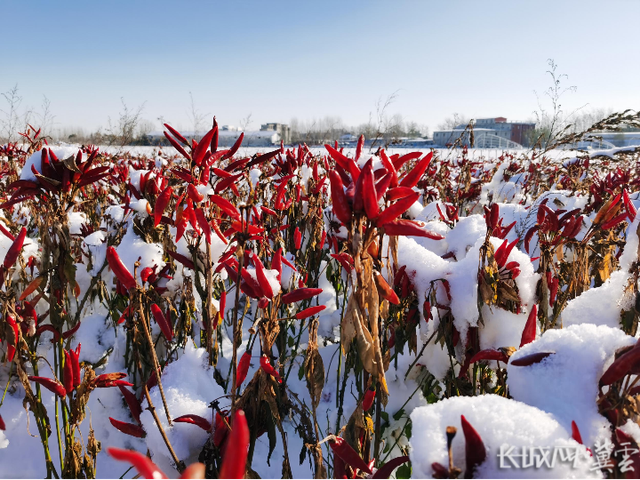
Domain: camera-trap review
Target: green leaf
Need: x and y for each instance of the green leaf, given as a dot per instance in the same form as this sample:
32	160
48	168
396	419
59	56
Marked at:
404	470
398	415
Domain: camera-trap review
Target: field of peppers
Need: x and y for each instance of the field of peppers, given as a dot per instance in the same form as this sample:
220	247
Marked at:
200	312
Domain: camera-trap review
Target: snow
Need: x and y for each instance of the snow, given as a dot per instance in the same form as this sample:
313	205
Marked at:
501	423
544	398
566	384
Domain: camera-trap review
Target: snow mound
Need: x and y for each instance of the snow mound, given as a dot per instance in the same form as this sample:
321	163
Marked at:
566	384
502	424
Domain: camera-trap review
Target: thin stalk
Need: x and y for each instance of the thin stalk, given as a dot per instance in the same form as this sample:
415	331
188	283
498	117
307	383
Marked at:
4	393
207	309
237	330
295	348
55	363
180	466
156	364
376	449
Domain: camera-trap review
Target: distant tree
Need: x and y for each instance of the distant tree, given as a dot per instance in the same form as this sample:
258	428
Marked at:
124	130
452	122
196	117
9	125
552	122
414	130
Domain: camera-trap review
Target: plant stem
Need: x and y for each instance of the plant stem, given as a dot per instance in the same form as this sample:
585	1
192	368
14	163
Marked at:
180	466
237	330
156	364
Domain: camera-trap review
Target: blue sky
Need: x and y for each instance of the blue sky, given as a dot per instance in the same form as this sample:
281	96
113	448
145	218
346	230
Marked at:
275	60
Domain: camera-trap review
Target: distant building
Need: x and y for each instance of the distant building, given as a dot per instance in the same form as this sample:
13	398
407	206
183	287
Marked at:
283	130
484	129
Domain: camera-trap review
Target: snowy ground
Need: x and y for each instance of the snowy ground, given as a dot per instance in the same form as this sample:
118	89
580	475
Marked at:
544	397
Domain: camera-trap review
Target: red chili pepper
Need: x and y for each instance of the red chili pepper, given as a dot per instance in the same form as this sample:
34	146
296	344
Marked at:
439	470
369	397
67	377
226	206
489	354
300	294
343	450
51	385
530	359
232	151
182	259
254	289
176	134
71	331
414	175
220	430
575	433
359	146
553	290
195	470
143	464
235	456
297	238
621	366
197	420
106	379
268	368
339	468
288	263
162	322
341	206
161	203
15	248
344	162
200	151
503	251
223	304
128	428
121	272
204	225
48	328
6	232
368	191
398	161
243	368
75	364
391	169
145	274
276	263
408	227
134	404
33	285
475	451
387	469
614	221
2	425
529	332
308	312
398	193
629	206
382	187
11	347
385	291
214	139
265	286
